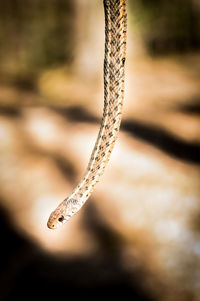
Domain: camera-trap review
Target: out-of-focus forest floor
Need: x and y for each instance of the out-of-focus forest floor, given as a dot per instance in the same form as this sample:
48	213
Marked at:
138	236
141	226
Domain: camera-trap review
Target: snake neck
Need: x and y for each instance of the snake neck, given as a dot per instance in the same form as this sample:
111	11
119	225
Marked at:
114	64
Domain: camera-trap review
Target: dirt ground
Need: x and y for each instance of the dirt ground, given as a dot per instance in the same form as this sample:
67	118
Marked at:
139	233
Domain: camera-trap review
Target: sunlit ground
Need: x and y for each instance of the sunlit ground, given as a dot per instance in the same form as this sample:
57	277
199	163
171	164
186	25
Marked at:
139	233
149	194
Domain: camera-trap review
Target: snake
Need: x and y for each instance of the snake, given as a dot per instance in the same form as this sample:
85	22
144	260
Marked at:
114	77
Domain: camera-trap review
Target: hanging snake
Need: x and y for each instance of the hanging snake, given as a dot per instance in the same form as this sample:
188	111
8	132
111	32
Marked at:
114	64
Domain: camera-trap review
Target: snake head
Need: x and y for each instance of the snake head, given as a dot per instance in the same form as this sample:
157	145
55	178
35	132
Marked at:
62	213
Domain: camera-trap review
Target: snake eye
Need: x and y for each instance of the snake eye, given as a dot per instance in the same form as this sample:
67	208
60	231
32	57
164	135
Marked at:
61	218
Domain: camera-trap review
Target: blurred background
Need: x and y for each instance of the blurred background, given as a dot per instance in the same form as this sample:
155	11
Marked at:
138	236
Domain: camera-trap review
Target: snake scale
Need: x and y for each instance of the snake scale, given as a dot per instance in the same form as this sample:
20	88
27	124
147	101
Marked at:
114	65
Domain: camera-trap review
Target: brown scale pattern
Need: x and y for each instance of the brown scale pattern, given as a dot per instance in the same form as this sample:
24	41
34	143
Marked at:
114	63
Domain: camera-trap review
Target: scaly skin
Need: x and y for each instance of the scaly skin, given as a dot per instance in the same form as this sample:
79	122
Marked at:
114	64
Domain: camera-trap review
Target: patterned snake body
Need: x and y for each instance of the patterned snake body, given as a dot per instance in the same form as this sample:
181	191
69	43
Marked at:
114	64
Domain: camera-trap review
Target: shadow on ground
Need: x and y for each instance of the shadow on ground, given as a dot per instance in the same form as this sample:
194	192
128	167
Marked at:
158	137
165	141
28	271
191	107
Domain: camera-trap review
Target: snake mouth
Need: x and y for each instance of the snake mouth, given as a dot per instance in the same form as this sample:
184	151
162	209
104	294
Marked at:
55	222
56	225
51	226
